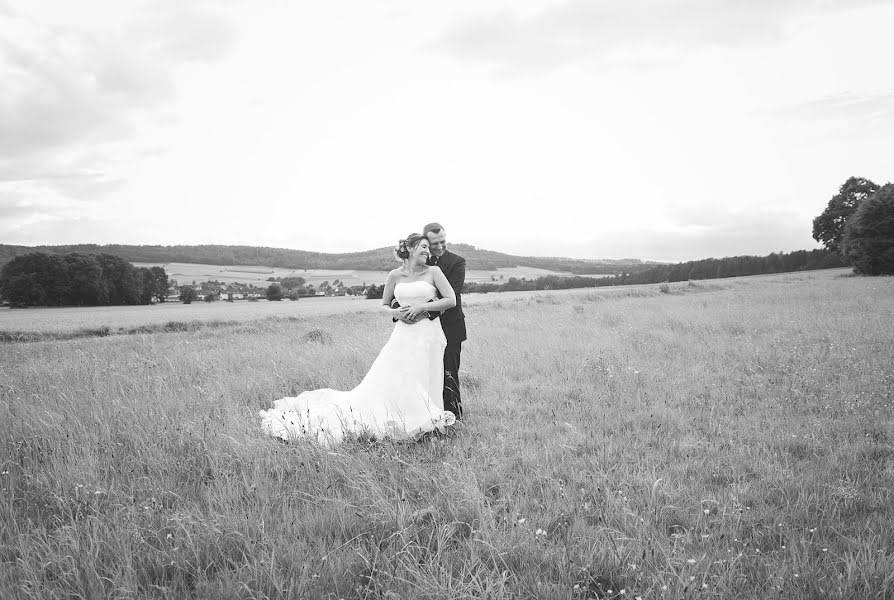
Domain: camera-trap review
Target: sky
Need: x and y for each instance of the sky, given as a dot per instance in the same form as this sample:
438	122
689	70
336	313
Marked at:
656	129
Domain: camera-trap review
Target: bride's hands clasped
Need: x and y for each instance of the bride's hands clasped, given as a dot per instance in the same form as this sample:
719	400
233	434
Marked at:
414	312
400	312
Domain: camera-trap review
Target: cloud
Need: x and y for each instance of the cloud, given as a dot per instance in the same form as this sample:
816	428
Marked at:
707	232
38	228
187	34
848	106
646	31
17	211
73	94
688	234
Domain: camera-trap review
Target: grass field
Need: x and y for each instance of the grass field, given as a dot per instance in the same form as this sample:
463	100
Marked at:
730	439
110	320
72	319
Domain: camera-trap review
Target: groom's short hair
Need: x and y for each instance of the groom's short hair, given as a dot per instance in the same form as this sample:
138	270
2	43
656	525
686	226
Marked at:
432	228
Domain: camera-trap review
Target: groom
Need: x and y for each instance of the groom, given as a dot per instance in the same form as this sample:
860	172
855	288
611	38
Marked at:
453	321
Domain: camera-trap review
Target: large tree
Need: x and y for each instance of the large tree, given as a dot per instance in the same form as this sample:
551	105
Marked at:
290	283
46	273
828	227
868	242
123	283
155	284
188	294
87	287
274	292
23	289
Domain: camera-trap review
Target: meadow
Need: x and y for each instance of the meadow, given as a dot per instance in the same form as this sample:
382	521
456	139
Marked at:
74	320
729	439
91	321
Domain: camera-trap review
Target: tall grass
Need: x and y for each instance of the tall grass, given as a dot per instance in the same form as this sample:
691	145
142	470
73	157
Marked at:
724	441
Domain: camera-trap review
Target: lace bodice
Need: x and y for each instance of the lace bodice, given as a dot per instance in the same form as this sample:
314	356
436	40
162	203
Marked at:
414	292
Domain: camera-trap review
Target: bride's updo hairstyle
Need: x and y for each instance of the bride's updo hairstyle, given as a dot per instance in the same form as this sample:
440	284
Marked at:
406	246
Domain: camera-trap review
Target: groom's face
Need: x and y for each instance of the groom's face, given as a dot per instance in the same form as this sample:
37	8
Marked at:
437	242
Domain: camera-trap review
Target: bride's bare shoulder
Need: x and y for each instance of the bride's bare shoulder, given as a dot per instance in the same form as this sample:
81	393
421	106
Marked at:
395	274
431	274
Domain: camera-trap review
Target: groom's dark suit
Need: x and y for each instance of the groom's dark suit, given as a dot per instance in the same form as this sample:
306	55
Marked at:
453	322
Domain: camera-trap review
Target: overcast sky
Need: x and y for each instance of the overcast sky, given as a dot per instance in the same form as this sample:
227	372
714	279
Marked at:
655	129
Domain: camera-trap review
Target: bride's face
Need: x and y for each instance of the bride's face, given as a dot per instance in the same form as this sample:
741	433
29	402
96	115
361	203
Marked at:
421	252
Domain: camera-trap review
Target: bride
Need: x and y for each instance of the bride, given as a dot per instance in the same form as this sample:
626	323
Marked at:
401	395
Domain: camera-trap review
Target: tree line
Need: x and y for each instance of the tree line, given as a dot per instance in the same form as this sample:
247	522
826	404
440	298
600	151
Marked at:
379	259
710	268
42	279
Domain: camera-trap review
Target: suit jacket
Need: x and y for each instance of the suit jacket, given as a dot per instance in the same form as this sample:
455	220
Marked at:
453	321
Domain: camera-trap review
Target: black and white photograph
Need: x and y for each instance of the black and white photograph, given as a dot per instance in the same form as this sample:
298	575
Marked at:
504	299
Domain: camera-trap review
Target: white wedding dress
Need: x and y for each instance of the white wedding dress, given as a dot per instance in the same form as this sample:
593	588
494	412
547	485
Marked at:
399	398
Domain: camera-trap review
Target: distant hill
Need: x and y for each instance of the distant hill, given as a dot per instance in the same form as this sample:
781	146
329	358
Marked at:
380	259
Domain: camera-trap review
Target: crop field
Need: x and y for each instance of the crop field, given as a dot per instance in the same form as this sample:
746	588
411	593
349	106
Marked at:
186	273
729	439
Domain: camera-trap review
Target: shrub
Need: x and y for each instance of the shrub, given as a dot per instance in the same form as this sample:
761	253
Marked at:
318	336
664	287
869	234
274	292
375	292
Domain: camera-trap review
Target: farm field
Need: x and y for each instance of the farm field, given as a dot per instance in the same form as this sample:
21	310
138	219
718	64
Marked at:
188	272
71	319
50	320
730	439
